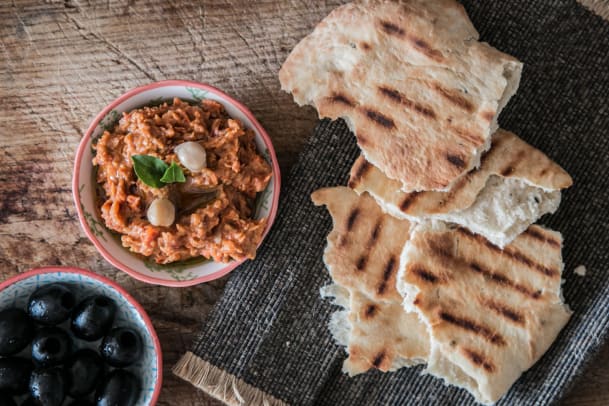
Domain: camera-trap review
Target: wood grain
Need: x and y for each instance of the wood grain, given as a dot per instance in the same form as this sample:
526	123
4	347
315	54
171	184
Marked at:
62	61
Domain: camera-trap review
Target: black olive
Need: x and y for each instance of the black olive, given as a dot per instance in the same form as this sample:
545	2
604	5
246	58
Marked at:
51	346
51	304
6	400
93	317
121	347
14	374
119	388
84	370
48	386
16	331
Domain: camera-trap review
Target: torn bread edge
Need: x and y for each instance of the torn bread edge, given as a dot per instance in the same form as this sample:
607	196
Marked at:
440	363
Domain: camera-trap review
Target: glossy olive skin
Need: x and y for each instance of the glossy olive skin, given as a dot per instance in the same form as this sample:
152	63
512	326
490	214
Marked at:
121	347
85	370
6	400
120	388
51	304
93	317
16	331
47	386
51	346
14	375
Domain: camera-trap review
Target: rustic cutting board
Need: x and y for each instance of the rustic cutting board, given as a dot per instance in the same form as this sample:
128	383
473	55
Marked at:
61	62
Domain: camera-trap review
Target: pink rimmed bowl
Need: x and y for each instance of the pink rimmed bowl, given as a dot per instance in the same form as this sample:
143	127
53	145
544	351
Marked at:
16	291
184	273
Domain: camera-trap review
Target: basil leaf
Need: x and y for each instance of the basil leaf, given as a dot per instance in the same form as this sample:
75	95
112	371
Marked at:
173	174
149	169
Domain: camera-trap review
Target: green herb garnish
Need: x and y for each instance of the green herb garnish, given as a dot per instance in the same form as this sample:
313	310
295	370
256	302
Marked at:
156	173
173	174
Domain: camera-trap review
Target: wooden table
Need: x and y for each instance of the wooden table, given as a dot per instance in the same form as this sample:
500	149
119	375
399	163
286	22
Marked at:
62	61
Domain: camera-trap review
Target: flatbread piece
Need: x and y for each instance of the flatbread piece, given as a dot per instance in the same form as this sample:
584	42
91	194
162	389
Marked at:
410	78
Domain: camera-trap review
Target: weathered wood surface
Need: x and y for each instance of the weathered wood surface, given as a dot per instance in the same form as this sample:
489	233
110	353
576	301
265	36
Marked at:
62	61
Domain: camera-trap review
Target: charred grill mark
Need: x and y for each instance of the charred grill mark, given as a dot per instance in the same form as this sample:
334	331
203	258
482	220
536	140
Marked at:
408	200
491	152
379	119
470	137
530	263
534	233
370	311
472	326
466	233
392	29
504	281
460	184
510	253
361	263
479	360
505	311
455	98
402	99
352	217
443	248
378	359
457	187
361	168
342	99
507	171
391	93
426	49
455	160
375	233
387	272
362	139
389	268
511	167
488	115
423	274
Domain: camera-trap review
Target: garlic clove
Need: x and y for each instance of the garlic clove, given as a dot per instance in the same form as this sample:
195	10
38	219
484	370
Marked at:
161	212
192	155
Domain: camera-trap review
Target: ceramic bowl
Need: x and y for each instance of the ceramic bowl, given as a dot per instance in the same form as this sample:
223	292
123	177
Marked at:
83	185
16	291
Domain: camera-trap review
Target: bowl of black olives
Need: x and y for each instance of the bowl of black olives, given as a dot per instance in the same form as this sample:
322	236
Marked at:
71	337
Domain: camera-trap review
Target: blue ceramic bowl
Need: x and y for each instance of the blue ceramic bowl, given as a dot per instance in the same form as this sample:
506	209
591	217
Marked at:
16	291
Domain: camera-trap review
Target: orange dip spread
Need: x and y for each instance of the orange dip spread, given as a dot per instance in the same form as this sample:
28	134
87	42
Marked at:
214	207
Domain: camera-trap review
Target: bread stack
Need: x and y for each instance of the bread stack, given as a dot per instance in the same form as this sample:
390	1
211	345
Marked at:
433	255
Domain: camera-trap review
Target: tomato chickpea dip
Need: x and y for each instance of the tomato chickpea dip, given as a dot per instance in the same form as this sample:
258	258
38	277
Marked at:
214	207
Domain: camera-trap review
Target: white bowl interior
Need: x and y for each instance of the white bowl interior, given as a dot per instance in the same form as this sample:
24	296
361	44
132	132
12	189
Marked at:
17	295
183	271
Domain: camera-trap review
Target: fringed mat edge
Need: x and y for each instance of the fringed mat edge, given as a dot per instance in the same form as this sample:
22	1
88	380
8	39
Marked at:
220	384
599	7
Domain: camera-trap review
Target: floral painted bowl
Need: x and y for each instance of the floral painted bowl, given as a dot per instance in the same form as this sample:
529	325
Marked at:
184	273
16	291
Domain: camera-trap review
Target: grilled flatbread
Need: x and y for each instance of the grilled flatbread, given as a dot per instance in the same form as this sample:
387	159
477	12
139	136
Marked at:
364	245
374	327
376	335
421	94
490	313
515	185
